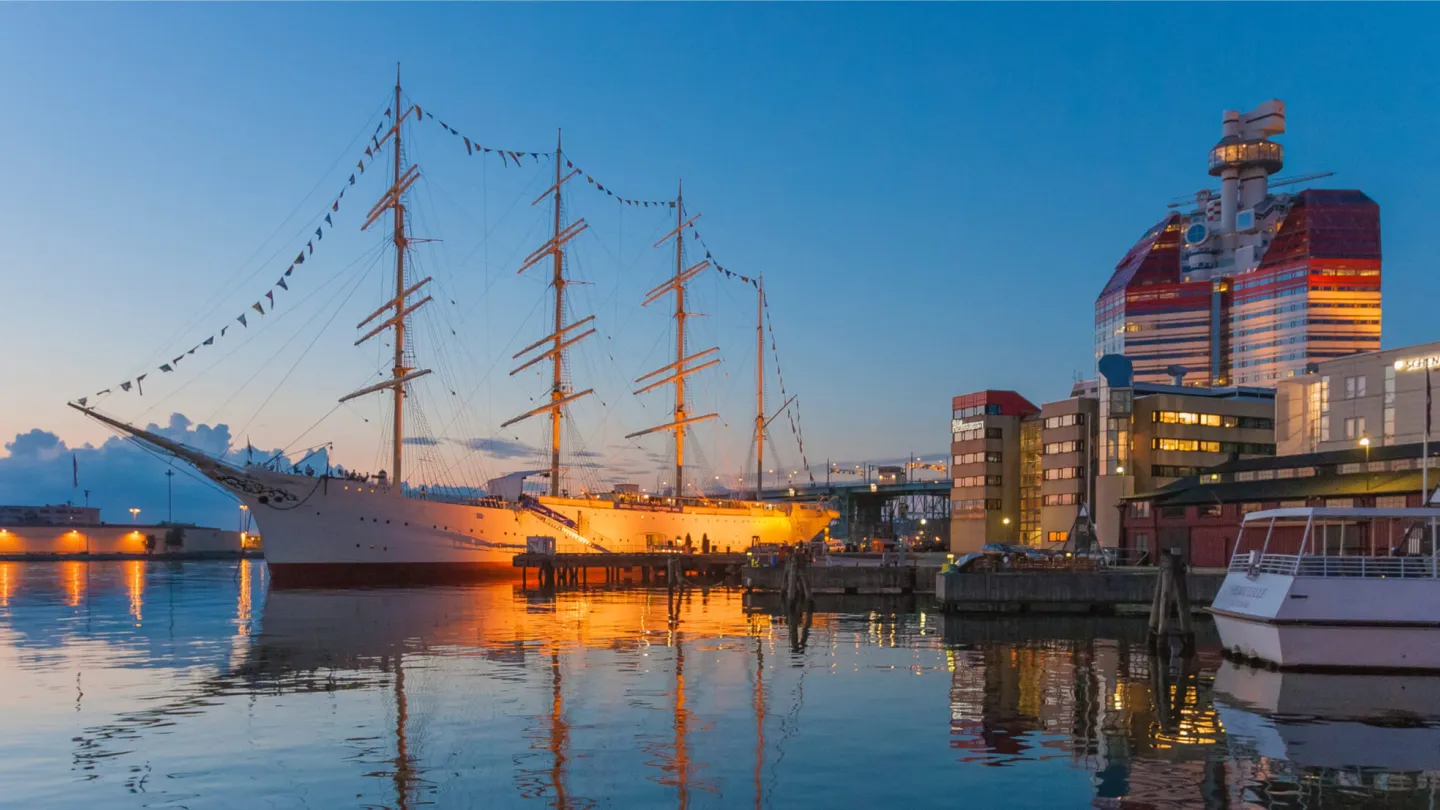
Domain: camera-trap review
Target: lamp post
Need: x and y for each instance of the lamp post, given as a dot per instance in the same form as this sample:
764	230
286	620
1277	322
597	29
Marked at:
1365	443
169	496
134	515
243	514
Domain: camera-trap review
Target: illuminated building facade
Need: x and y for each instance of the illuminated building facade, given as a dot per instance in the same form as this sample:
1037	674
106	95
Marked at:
1248	287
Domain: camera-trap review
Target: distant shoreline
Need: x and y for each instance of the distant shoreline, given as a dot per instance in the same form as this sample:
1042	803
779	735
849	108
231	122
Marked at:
113	556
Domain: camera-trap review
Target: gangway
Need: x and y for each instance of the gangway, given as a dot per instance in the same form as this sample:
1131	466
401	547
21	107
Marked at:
555	520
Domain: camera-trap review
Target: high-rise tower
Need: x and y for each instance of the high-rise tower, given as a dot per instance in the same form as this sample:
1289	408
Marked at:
1248	286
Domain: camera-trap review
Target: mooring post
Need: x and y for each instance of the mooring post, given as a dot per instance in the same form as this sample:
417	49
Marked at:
1181	590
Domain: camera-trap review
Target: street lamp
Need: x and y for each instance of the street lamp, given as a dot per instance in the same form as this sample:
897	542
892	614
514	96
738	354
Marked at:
1120	470
1365	443
134	514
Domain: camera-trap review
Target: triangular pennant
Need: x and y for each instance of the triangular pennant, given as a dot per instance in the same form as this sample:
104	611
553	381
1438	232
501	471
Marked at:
535	155
223	330
177	360
102	393
289	269
352	179
83	400
361	164
388	113
270	294
301	258
368	153
431	116
328	221
335	206
241	319
319	234
468	150
569	165
256	306
125	386
210	341
418	113
589	179
138	387
281	284
443	125
503	160
487	149
311	245
192	351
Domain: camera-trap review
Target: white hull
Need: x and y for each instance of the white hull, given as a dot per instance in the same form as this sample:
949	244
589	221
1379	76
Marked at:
1332	720
1330	622
317	529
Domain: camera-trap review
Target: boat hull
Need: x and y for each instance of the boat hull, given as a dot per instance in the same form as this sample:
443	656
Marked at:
1330	622
322	531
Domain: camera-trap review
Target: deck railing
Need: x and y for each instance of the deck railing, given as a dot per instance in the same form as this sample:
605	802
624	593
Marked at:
1312	565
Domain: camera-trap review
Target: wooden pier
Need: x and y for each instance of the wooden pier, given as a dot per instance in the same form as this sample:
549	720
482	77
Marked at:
656	568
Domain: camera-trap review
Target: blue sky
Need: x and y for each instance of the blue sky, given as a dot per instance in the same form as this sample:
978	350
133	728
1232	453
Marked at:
934	192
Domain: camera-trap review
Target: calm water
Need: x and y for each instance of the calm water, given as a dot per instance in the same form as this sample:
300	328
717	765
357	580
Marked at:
193	685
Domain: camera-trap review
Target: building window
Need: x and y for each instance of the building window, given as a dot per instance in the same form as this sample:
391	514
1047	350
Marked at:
986	457
1184	445
1140	509
994	433
977	410
1067	420
978	481
1247	475
1355	387
1264	475
1376	466
1350	469
1211	510
1247	508
1057	537
1354	427
1075	446
1063	473
1403	464
1343	503
1063	499
1213	420
1390	501
1172	511
1388	427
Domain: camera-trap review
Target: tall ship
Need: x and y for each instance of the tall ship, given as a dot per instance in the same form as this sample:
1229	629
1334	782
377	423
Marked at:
320	527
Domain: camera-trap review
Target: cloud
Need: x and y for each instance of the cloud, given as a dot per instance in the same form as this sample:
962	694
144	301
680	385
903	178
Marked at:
499	448
424	441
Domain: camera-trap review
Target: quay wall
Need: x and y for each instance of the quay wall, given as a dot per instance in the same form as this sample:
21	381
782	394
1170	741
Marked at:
1105	590
61	541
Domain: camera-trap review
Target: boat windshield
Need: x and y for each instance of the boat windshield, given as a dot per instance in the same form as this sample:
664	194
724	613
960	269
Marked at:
1335	532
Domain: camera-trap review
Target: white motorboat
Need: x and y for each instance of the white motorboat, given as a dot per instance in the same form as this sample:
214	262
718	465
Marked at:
1331	587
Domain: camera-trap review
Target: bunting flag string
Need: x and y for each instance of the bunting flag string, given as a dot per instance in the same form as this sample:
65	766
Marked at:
720	268
474	147
280	284
793	417
610	192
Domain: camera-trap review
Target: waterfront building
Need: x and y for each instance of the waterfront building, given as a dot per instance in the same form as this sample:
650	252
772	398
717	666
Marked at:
48	515
1200	516
1246	287
1024	474
1376	396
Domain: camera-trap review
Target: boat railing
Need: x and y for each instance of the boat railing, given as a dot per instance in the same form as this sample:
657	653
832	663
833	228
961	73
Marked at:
1317	565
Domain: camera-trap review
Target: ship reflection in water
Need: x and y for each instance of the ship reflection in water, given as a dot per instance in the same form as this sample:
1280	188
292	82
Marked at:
167	684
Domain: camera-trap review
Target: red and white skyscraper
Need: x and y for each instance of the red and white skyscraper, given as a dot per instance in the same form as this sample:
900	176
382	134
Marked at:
1249	286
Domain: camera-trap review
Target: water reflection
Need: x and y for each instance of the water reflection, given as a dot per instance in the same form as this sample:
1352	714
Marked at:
137	684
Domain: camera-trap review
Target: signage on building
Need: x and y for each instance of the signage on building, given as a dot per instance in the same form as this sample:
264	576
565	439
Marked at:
1418	363
961	426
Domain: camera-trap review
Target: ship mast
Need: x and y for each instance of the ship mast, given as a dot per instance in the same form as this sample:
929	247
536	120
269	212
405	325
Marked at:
557	341
676	284
759	385
400	374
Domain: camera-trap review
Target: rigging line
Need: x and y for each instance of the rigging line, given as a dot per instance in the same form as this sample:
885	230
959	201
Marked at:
303	352
306	432
251	335
263	366
208	308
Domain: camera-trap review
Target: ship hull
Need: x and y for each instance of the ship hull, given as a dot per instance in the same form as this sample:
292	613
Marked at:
328	531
